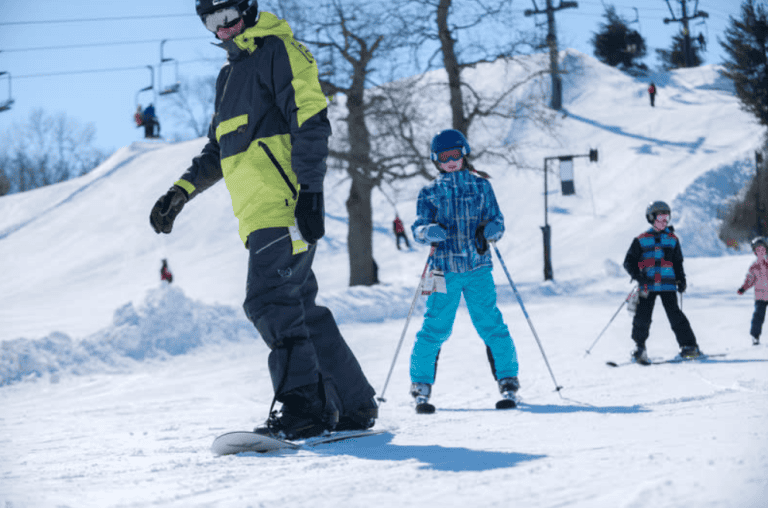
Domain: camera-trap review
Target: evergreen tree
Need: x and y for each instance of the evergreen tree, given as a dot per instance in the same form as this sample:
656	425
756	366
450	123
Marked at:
747	61
674	58
617	45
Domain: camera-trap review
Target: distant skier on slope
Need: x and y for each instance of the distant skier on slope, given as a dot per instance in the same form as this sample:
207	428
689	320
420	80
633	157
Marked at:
652	94
757	276
270	146
462	255
655	261
165	272
399	229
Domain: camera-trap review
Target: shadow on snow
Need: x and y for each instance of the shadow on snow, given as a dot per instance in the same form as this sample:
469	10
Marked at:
438	458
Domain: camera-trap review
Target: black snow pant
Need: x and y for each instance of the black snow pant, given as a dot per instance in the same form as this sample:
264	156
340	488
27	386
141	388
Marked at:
758	316
641	324
402	235
309	358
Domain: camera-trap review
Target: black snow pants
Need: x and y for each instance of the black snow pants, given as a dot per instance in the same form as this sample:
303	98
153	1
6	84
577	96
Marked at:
641	324
308	357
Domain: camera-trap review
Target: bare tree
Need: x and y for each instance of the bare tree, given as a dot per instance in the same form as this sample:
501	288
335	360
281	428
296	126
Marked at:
48	149
193	104
348	38
437	36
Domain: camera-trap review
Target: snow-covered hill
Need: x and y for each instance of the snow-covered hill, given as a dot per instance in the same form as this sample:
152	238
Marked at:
112	386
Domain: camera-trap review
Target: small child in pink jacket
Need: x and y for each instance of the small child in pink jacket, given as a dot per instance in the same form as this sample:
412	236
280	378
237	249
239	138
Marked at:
758	277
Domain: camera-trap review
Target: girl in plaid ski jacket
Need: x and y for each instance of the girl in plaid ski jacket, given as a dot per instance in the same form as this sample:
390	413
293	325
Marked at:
458	212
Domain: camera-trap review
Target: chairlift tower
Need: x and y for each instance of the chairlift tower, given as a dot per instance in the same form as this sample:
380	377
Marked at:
557	84
687	50
6	105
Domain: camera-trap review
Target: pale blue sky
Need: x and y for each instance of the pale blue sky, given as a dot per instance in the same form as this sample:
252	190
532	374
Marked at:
59	77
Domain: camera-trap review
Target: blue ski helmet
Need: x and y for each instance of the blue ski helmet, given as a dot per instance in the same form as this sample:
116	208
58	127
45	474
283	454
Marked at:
448	140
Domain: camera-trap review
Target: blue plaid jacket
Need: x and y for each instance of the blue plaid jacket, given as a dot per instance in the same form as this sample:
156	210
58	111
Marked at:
459	202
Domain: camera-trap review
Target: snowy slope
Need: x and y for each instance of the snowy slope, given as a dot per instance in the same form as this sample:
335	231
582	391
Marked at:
112	386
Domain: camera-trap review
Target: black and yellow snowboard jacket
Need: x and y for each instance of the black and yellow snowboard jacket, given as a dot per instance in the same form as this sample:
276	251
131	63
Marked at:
269	133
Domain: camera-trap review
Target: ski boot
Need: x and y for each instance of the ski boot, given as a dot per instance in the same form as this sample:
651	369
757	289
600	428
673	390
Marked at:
755	341
421	392
690	352
508	387
639	355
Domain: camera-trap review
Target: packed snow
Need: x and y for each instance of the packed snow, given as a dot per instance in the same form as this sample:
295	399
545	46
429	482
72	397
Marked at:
113	385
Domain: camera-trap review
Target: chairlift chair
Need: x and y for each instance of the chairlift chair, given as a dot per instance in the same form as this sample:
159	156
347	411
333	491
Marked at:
174	87
6	105
149	88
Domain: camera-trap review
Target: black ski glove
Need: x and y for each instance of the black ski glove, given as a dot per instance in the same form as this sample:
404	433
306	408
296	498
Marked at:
310	216
166	209
681	285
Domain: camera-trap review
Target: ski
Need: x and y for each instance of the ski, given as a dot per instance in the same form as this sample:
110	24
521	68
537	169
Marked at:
659	361
508	402
680	359
425	408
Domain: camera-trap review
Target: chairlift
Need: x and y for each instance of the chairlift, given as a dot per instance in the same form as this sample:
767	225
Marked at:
6	105
149	88
174	87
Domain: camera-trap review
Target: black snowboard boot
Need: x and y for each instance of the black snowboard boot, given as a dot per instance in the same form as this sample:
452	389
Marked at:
286	425
755	341
303	415
689	352
640	356
362	418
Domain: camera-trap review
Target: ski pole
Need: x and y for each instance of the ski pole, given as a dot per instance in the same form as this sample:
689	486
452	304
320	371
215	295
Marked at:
629	297
407	320
522	306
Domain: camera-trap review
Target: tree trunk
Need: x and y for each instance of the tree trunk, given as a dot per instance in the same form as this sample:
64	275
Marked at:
360	232
451	63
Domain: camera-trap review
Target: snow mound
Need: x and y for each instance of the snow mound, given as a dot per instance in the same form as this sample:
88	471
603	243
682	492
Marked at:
167	324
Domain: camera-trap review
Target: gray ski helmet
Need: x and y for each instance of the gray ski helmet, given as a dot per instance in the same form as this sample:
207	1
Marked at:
655	209
758	240
204	7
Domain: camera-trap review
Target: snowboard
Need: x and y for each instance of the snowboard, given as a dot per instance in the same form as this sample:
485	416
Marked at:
659	361
246	441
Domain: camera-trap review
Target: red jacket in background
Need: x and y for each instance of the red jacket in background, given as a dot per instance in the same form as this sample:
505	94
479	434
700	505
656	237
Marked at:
398	225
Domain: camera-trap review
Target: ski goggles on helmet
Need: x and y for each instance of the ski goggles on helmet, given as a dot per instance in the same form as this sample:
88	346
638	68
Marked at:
221	18
450	155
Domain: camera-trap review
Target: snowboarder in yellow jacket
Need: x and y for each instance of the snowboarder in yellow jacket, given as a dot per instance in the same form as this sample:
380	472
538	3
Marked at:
268	140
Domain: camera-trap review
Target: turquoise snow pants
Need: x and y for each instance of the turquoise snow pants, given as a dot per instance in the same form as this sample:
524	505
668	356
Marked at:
480	295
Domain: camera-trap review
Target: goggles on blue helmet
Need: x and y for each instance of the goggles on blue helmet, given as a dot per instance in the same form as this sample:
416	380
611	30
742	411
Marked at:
455	154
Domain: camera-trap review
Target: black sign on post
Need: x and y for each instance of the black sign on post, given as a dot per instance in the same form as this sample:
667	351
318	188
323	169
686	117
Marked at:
566	176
